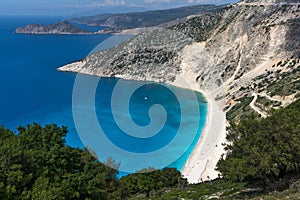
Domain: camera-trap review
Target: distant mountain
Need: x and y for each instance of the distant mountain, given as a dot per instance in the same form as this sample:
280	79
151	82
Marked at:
62	27
144	19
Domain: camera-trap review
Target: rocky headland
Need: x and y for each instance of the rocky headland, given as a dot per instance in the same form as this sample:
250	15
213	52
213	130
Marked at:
62	27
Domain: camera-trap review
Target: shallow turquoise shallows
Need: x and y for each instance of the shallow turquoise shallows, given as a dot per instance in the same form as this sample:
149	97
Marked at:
32	90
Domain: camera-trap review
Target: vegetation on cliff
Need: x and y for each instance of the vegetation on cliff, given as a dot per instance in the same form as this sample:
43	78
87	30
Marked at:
154	53
264	149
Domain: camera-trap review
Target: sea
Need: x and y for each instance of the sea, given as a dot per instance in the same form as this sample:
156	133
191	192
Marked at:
32	90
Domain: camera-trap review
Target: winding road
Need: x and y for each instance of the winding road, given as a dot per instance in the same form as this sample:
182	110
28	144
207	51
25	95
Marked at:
256	109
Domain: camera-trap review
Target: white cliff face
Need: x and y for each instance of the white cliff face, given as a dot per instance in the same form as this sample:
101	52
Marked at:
256	38
248	40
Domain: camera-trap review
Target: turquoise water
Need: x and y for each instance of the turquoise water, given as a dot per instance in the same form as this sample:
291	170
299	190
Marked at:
32	90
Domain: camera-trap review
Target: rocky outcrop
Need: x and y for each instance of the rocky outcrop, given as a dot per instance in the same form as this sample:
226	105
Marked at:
62	27
152	55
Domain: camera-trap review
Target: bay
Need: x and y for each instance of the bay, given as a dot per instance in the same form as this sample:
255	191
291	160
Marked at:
32	90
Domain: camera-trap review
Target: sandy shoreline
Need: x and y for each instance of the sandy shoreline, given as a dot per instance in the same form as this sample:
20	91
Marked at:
202	161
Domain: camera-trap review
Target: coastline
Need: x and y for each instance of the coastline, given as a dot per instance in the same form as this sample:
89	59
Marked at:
201	163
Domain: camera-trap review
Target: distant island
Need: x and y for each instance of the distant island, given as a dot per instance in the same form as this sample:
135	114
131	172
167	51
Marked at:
62	27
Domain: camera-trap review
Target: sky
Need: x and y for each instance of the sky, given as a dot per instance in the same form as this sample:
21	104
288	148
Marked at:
77	7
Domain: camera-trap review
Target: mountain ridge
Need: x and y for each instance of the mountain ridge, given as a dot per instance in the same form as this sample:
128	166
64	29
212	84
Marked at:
116	23
121	21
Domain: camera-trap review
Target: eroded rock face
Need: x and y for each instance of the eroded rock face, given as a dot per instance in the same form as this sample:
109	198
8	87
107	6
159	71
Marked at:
244	37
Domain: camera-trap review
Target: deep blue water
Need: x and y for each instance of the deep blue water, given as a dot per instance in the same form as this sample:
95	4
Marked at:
32	90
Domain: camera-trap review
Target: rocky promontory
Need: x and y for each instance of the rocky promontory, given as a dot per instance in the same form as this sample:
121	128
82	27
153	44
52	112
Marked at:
62	27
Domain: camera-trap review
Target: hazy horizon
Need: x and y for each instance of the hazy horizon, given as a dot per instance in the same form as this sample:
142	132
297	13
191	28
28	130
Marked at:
85	7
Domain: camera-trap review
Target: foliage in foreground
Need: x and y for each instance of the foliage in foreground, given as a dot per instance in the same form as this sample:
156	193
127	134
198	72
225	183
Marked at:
36	164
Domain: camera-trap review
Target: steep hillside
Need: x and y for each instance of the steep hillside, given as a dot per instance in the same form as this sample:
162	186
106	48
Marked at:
145	57
236	51
246	48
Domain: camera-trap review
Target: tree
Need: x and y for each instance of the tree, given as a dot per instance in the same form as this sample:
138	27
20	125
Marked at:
36	164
